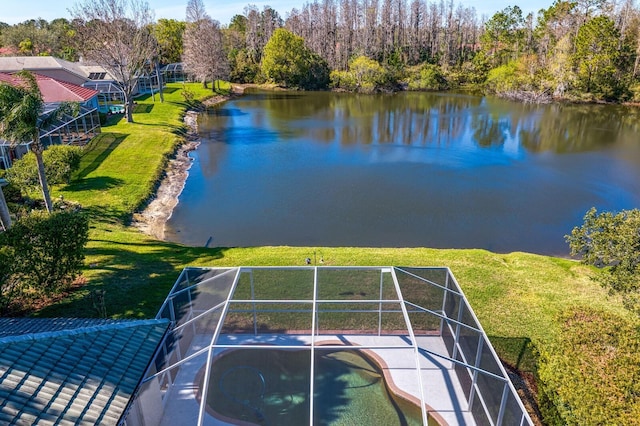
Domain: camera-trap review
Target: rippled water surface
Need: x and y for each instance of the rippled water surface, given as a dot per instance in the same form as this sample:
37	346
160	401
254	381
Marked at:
405	170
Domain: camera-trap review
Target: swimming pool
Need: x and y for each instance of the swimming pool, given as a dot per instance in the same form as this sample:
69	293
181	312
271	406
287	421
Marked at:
272	387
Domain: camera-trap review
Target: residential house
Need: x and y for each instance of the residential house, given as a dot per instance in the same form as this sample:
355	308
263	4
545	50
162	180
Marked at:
69	130
79	73
58	371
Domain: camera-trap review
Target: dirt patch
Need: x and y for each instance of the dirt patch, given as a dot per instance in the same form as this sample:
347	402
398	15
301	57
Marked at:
153	219
527	389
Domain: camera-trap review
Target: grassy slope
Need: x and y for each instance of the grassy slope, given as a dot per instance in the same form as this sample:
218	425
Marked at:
516	296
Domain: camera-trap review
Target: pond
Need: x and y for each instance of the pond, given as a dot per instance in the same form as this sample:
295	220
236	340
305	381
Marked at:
441	170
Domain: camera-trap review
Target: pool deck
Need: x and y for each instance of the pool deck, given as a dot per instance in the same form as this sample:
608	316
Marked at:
440	385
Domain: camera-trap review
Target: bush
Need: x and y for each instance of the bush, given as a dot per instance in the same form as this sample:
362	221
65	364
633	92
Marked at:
427	77
9	291
634	92
60	161
47	251
504	78
243	69
591	375
364	75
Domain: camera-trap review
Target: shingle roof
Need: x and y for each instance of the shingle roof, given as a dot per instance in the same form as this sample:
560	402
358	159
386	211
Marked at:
53	90
35	63
73	371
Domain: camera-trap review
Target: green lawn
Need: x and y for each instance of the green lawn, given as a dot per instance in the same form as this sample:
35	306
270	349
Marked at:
516	296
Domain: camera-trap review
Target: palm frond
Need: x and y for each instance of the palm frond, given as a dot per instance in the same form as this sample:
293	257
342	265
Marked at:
21	108
63	111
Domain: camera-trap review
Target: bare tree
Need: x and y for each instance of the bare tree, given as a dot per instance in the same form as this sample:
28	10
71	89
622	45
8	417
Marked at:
116	34
416	23
252	34
260	28
203	55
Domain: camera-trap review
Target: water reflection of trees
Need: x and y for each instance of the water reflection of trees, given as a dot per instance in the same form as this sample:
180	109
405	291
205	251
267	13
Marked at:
575	128
417	119
439	119
212	128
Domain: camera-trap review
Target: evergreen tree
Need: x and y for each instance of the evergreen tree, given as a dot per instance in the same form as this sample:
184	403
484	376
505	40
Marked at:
287	61
596	56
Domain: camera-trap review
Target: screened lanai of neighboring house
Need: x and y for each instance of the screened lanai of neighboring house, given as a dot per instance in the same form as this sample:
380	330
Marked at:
172	73
68	130
109	93
72	130
316	345
76	129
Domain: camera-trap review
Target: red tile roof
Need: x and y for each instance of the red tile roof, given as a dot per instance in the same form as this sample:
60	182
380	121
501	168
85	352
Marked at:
53	90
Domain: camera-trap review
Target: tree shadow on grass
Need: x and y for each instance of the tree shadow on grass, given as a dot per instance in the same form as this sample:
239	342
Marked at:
519	357
517	352
98	150
136	278
143	108
94	183
102	213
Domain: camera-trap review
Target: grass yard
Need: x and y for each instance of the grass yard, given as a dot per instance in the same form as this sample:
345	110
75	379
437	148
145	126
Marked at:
517	297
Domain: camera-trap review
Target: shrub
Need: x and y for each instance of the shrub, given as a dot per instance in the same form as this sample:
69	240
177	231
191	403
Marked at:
9	289
47	250
591	375
504	78
243	69
634	92
427	77
364	75
60	161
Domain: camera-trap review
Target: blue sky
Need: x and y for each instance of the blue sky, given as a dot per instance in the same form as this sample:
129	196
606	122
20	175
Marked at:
15	11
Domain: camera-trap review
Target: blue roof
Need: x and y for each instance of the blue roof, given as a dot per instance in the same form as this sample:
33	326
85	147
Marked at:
72	371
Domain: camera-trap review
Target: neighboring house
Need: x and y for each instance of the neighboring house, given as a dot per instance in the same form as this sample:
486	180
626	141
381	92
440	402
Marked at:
70	72
79	73
72	130
73	371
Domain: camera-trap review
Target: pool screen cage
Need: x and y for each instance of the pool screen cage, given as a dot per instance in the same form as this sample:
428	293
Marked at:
415	322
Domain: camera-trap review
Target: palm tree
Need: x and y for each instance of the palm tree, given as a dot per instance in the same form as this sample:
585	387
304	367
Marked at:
21	106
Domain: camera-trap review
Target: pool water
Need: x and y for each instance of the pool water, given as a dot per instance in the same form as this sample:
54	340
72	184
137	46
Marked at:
271	387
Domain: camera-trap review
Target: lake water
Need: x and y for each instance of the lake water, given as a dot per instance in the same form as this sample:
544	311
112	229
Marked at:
405	170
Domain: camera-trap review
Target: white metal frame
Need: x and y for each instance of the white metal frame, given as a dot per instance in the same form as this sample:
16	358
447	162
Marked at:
453	325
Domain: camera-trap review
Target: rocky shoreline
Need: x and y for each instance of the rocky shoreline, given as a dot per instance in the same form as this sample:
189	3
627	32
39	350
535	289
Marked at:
153	218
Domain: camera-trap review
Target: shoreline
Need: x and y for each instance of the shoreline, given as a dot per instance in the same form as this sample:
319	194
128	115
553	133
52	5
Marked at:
152	220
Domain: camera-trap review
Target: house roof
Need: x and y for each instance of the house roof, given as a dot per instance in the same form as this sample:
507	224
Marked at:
54	91
21	326
72	371
11	64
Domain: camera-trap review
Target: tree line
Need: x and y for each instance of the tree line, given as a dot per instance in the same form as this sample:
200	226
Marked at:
581	50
